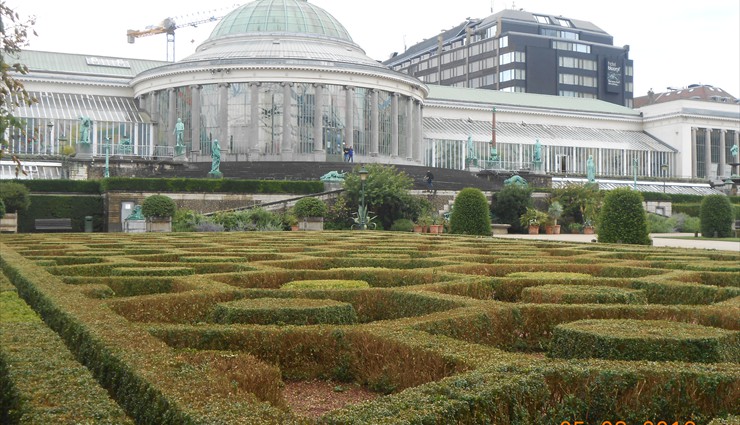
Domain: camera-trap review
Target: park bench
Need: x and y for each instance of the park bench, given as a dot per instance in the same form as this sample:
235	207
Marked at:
48	224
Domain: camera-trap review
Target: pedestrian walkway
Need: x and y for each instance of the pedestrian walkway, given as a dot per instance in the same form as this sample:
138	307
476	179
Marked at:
659	240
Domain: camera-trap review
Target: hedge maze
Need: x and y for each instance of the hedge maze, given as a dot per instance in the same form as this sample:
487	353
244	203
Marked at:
210	328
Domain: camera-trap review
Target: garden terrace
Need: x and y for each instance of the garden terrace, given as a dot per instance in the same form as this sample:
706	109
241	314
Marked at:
221	328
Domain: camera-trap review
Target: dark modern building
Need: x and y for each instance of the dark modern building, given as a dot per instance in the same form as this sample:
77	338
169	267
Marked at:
519	51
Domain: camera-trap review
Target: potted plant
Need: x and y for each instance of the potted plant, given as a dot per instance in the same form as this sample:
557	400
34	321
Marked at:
16	198
554	212
291	220
532	219
437	225
424	221
158	211
588	227
310	212
575	228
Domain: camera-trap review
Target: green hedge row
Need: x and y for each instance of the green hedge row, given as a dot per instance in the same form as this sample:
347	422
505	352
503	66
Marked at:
654	340
582	294
42	383
159	390
529	327
61	206
63	186
291	311
212	185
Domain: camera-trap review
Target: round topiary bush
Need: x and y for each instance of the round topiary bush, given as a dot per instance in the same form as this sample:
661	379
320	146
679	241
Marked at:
623	219
582	294
716	216
470	215
159	206
310	207
291	311
15	196
654	340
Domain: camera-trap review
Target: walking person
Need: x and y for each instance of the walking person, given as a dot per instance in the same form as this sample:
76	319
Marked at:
429	178
346	153
351	155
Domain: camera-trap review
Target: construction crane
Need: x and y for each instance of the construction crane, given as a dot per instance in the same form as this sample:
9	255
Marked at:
168	26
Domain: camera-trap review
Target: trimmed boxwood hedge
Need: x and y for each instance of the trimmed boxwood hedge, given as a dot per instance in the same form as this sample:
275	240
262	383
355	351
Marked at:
655	340
212	185
326	284
64	206
582	294
292	311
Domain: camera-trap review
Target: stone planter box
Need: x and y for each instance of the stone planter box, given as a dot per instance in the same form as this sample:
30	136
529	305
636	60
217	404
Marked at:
159	225
311	223
9	223
499	229
134	226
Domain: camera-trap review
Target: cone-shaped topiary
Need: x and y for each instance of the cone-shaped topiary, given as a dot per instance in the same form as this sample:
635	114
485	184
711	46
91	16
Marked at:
623	219
716	216
470	214
160	206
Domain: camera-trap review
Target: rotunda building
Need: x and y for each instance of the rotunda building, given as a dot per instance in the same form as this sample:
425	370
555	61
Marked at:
282	80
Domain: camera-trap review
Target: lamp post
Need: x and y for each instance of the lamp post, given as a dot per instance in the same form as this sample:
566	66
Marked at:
664	170
363	208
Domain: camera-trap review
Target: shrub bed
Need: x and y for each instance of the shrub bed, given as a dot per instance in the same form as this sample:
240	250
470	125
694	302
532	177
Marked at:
582	294
326	284
291	311
654	340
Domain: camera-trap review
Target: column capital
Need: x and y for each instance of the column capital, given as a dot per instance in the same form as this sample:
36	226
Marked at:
195	86
223	85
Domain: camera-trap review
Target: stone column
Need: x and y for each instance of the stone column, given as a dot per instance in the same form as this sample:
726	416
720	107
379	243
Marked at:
419	132
223	116
722	155
374	123
195	118
349	125
171	116
154	106
694	156
394	125
254	116
287	142
707	153
409	129
318	119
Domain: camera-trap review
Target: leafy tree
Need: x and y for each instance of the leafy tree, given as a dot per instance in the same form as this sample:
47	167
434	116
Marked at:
14	33
387	194
158	206
716	216
470	215
510	203
623	219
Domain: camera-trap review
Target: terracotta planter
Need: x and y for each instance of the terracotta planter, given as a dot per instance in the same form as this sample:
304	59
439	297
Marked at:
534	230
549	230
588	230
295	228
436	228
555	229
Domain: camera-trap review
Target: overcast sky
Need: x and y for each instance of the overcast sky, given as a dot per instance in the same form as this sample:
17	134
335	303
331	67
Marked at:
671	43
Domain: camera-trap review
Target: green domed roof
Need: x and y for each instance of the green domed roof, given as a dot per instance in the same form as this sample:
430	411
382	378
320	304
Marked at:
291	16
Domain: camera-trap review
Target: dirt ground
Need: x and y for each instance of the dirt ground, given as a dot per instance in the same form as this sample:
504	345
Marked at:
313	399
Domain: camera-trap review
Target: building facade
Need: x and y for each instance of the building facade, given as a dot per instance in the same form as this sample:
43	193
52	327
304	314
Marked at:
288	83
519	51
